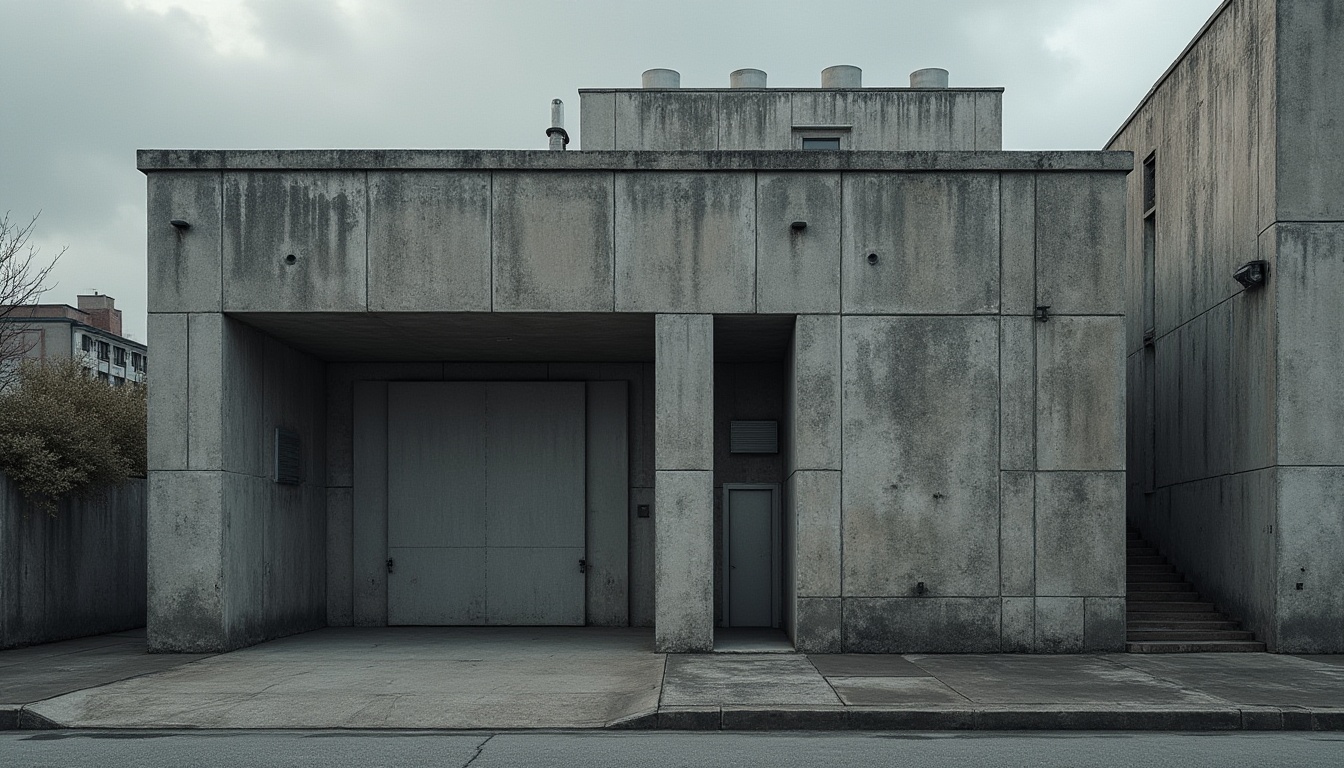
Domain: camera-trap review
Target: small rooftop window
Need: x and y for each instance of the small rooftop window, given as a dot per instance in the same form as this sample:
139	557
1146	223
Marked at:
821	142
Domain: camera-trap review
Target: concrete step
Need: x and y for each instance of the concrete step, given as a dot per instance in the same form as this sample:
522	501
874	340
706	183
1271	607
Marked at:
1165	616
1148	596
1181	624
1147	560
1155	579
1187	635
1172	606
1202	646
1140	586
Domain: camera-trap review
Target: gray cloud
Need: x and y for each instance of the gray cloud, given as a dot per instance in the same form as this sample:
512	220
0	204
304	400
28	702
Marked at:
87	82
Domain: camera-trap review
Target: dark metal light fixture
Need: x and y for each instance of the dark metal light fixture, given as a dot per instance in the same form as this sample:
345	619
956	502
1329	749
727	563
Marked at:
180	224
1252	274
798	226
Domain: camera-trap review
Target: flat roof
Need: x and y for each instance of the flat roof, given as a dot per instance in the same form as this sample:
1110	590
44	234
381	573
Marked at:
149	160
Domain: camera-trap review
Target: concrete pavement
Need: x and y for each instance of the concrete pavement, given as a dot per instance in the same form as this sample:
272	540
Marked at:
520	678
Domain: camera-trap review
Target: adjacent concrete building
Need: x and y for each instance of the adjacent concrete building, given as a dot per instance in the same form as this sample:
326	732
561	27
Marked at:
1236	420
90	333
822	359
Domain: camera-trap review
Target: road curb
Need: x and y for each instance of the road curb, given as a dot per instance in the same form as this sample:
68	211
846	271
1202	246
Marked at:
1045	718
17	717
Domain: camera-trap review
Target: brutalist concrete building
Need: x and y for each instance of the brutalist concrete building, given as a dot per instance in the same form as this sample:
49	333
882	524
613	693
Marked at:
821	359
1236	291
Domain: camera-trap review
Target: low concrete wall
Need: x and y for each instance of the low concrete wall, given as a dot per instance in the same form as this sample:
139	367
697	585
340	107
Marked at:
79	573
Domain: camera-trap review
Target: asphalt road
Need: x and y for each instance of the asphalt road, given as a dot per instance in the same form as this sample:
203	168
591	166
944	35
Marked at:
192	749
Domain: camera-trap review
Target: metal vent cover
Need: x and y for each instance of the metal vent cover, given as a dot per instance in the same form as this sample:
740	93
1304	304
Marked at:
753	437
287	464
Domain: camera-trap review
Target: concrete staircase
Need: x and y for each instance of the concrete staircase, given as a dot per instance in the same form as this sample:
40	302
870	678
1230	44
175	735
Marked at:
1164	613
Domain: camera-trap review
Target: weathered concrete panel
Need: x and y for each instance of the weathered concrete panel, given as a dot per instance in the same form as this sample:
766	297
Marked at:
1311	554
186	561
1017	533
1309	282
754	120
1310	105
1018	625
319	218
936	241
989	121
1080	393
798	270
370	504
641	558
684	432
184	265
684	561
814	499
818	625
205	391
813	394
920	507
1080	243
340	407
168	409
923	120
922	625
608	480
1017	243
247	423
597	121
552	242
340	557
685	242
1017	393
1059	625
1103	624
1080	535
429	241
666	121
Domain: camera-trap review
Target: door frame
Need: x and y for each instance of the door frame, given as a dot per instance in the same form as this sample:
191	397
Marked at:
776	551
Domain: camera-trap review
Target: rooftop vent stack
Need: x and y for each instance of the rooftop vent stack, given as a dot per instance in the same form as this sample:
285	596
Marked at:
556	133
662	78
933	77
842	76
747	78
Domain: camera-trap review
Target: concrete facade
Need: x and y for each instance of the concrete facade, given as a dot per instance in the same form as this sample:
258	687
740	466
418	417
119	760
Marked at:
1236	428
944	455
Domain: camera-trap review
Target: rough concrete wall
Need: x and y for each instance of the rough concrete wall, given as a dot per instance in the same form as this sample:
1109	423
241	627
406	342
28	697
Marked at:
1201	414
81	572
355	572
234	557
875	119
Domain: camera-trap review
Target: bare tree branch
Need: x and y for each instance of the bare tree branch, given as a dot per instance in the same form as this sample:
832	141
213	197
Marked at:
23	280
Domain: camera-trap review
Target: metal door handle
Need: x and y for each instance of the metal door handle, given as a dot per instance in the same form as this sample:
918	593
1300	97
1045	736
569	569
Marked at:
390	564
583	565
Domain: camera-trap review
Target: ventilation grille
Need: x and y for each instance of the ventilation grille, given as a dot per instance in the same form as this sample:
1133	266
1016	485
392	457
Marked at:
287	457
753	437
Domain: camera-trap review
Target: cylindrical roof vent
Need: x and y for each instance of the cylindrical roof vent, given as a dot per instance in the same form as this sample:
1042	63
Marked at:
842	76
662	78
747	78
933	77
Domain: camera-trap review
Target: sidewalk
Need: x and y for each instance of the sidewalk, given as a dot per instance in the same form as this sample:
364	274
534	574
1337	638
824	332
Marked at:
518	678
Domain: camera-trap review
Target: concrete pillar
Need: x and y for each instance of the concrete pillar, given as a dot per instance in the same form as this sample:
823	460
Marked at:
812	496
684	483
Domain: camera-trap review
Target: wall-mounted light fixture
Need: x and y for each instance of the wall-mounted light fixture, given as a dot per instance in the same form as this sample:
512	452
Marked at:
1252	274
798	226
180	224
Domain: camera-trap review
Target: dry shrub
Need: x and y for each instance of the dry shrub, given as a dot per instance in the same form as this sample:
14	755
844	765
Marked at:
64	432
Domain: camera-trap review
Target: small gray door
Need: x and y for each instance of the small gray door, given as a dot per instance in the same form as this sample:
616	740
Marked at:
751	560
486	489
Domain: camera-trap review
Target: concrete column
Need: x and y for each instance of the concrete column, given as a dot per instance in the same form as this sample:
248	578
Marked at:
684	483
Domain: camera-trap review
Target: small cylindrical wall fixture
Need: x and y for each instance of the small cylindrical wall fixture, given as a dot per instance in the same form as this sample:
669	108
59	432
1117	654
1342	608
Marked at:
556	133
662	78
842	76
933	77
747	78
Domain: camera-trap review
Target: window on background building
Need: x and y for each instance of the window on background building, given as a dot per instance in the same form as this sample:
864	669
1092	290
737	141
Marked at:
104	350
117	381
86	343
104	376
119	356
137	361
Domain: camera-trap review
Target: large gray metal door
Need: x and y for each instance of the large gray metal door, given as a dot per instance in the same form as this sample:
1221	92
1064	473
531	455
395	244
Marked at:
751	556
486	490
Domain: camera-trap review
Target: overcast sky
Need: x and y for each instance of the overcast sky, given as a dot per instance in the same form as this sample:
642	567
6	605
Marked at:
87	82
